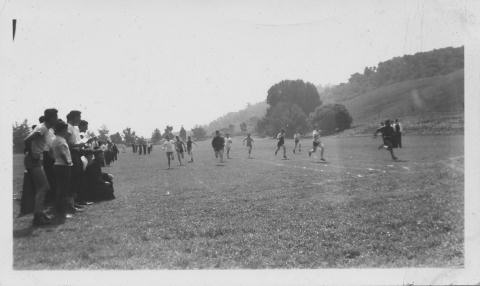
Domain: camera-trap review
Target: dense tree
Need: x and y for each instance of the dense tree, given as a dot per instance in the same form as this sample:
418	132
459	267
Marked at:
103	133
91	134
20	131
129	135
199	133
284	116
156	136
243	127
168	131
116	138
304	95
183	134
231	129
331	118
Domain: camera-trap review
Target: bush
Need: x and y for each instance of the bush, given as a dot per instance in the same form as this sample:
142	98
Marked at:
331	118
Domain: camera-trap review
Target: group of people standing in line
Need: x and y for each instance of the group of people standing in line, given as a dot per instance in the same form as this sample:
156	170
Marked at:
142	148
63	168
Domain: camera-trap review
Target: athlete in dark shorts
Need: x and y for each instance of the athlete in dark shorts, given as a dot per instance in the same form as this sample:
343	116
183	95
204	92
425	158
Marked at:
218	144
388	134
249	141
190	148
281	143
296	137
180	149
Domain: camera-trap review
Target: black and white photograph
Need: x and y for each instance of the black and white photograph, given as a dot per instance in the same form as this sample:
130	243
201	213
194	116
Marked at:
240	142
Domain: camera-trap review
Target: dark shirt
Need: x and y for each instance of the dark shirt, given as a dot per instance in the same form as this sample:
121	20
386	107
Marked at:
218	142
387	131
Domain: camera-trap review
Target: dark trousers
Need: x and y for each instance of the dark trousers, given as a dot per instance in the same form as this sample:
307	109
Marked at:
76	177
48	167
63	188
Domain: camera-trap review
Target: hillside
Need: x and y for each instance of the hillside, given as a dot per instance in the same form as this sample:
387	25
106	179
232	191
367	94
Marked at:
424	90
250	115
428	103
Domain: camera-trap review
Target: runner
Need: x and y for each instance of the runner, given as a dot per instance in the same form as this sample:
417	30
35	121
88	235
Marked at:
169	147
281	144
228	144
189	148
180	149
388	134
249	141
317	144
218	143
296	137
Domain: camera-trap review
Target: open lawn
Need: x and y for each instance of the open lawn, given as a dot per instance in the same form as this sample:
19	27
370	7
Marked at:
360	209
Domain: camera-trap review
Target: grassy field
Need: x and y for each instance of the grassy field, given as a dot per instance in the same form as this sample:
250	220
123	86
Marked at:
358	210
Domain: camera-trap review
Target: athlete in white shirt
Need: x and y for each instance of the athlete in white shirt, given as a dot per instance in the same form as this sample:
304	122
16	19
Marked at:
228	144
317	144
169	147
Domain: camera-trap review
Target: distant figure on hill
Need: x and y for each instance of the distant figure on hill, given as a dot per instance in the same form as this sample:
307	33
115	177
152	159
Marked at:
218	143
388	134
228	144
281	144
317	144
249	141
398	132
296	138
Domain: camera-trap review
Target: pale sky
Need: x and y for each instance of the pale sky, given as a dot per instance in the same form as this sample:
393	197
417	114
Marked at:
146	64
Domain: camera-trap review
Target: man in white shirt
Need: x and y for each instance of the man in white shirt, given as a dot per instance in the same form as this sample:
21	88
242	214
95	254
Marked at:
75	145
228	144
169	147
35	144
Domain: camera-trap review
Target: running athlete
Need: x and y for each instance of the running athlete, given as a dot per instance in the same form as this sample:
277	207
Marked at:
228	144
169	147
189	148
249	141
388	134
218	143
281	143
317	144
296	137
180	148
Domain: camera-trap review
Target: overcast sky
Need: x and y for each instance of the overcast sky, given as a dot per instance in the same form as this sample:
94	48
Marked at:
146	64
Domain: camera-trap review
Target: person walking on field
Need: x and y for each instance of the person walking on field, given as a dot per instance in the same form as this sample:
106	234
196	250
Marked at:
180	149
296	137
317	144
388	134
281	144
228	144
190	148
218	143
249	141
169	147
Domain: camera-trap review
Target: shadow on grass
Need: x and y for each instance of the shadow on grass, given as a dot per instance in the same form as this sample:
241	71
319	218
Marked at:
24	232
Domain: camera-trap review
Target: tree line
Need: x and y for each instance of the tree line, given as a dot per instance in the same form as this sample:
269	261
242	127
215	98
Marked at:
128	135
